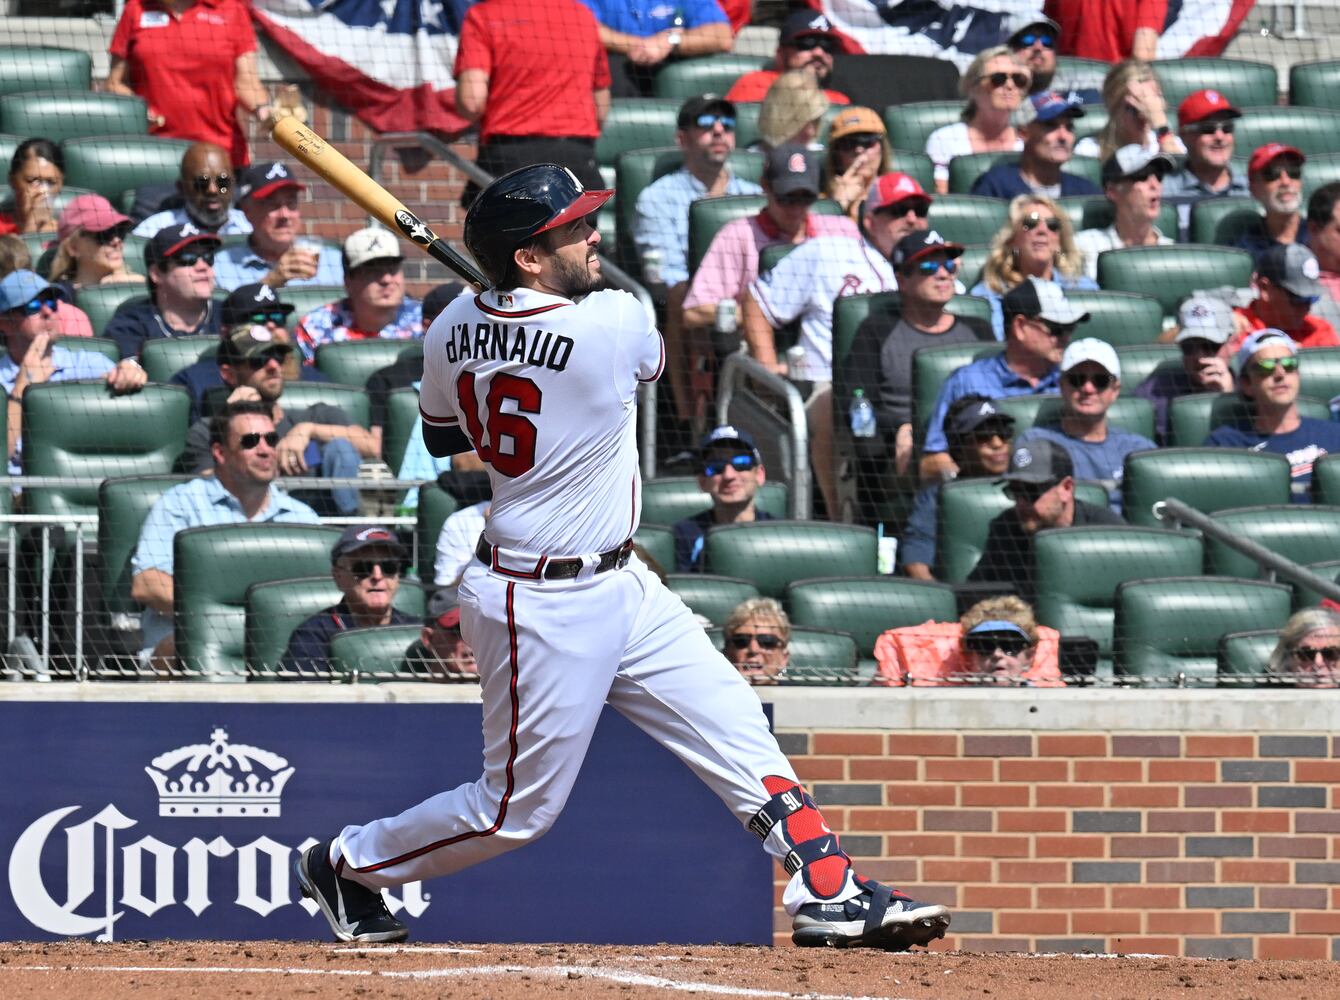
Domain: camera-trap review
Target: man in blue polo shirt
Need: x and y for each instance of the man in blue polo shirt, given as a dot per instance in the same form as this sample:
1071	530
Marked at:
1038	325
1049	144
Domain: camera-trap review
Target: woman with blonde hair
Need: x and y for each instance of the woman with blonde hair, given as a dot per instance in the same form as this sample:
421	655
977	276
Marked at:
994	87
791	110
1036	241
858	152
92	245
1136	114
1308	651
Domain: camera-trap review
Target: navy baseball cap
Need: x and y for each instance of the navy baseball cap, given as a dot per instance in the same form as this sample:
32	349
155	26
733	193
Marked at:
247	300
261	180
1049	105
727	435
172	240
912	247
362	536
971	418
701	105
805	22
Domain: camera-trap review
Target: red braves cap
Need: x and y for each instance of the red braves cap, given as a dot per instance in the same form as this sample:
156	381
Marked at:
1202	104
1263	156
889	189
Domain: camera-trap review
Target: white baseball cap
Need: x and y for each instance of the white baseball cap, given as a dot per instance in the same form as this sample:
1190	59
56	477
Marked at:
1100	352
373	243
1204	317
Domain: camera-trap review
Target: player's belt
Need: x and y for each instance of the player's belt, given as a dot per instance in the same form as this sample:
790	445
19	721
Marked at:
554	569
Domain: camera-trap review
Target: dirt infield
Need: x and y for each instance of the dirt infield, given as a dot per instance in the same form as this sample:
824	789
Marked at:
281	970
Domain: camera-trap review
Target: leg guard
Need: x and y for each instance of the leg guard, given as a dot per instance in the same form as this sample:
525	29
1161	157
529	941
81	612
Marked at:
813	846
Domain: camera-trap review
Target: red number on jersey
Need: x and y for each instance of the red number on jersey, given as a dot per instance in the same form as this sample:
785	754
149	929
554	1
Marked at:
526	395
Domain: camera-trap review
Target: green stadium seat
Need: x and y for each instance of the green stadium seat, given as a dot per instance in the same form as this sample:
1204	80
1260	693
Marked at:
1315	84
708	215
866	606
111	165
769	256
79	429
353	362
307	298
1223	220
1130	413
910	125
1139	361
1167	631
1244	658
352	399
1192	417
1078	570
72	114
713	597
670	499
931	366
373	654
849	312
970	307
971	262
273	609
402	413
9	145
680	79
1244	83
1304	533
1326	480
659	543
212	569
1170	273
435	506
819	656
774	553
1120	318
1321	168
916	164
746	124
101	302
25	68
1306	597
1320	372
1312	130
1205	479
637	123
123	504
964	170
98	345
965	511
1096	212
164	357
967	218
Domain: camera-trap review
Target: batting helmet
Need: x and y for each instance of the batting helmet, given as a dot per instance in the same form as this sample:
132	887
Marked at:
520	205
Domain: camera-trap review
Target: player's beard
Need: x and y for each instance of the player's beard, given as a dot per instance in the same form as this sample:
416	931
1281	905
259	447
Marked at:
573	279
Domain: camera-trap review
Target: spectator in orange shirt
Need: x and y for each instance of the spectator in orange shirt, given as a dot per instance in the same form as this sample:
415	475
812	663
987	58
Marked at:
1287	287
807	42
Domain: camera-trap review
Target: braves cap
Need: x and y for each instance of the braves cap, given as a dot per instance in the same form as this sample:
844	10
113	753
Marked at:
1049	105
790	168
971	418
1134	159
1018	24
1100	352
366	245
1038	298
727	435
247	300
172	240
260	180
1265	155
805	22
912	247
444	609
362	536
889	189
1293	267
1202	104
249	340
856	121
1258	340
1204	317
701	104
1039	461
90	212
18	288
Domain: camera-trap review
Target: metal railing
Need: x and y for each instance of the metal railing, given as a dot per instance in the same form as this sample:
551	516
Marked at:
742	377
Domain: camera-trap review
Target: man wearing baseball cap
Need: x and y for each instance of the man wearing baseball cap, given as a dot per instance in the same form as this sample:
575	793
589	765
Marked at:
375	304
1275	180
1041	482
1049	144
1205	324
1268	364
1287	287
1323	225
1133	183
1206	121
205	185
1038	325
440	653
179	263
807	41
1090	384
730	471
366	563
268	194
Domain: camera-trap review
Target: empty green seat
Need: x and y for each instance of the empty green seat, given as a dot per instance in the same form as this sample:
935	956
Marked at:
1205	479
1312	130
1119	318
435	506
353	362
1078	570
866	606
1315	84
1326	480
658	543
774	553
164	357
72	114
931	366
1170	273
1192	417
967	218
375	654
123	504
1244	658
100	302
910	125
708	215
680	79
1243	82
636	123
97	345
352	399
1139	361
212	569
1167	630
1303	533
673	498
713	597
1130	413
111	165
25	68
1319	373
402	414
1223	220
821	657
965	511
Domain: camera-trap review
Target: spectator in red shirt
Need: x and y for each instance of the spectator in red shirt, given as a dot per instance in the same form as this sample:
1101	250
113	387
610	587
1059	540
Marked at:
36	176
1109	30
1287	287
536	101
194	63
807	42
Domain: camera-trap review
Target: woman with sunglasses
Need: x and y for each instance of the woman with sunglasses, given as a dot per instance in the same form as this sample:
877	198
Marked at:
92	245
1036	241
1308	651
758	639
1136	114
994	86
858	152
36	176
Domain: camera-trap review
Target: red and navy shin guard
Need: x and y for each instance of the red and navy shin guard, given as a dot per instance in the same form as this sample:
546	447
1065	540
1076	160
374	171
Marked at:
813	845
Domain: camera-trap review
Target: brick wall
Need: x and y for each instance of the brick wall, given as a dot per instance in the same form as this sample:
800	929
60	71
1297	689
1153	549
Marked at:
1192	843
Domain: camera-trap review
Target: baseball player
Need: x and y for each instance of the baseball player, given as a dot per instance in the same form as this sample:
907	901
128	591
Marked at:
539	375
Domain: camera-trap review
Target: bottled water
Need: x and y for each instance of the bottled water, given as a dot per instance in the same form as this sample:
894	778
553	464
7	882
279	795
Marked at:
862	416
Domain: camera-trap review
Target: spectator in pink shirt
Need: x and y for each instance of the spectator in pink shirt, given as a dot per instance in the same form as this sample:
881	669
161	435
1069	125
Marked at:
792	184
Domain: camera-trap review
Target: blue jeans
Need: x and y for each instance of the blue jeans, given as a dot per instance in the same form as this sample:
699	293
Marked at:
337	459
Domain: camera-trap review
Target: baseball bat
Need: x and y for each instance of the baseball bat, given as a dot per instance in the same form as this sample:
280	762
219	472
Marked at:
332	165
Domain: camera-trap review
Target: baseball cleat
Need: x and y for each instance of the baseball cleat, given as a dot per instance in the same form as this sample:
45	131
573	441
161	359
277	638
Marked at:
878	918
354	912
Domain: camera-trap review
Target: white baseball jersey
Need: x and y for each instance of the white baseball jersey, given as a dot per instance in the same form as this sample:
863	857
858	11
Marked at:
546	390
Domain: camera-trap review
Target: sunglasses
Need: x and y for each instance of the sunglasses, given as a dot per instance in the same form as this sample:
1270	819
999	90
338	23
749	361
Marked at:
814	42
1302	301
915	205
740	463
1034	220
1057	330
1066	122
204	182
727	122
364	568
930	267
798	198
1210	128
1099	380
1267	366
42	300
998	80
1035	38
1145	174
986	643
261	360
1197	347
189	258
273	316
859	140
741	640
1028	492
106	237
1275	171
1308	654
248	441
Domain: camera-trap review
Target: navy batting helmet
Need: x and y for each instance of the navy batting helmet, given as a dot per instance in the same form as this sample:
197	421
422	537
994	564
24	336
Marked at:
520	205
